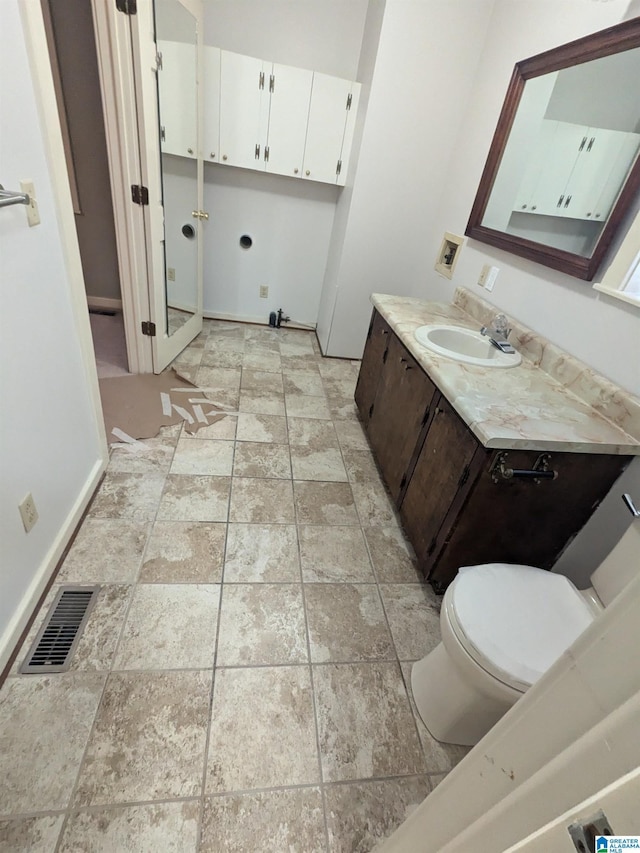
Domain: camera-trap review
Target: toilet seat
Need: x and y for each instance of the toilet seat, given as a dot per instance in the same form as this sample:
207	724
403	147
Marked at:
515	621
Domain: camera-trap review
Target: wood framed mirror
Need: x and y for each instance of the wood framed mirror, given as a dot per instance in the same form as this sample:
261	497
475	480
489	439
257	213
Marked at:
563	169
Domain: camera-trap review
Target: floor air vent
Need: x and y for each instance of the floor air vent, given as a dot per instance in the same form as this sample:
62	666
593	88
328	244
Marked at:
56	641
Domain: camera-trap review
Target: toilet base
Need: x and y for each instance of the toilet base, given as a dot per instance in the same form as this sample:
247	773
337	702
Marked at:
453	708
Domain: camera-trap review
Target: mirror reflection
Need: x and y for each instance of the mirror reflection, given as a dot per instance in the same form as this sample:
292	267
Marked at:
573	142
176	38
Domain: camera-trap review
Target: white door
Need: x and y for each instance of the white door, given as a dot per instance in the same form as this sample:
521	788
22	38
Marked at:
619	803
325	131
244	110
290	90
174	216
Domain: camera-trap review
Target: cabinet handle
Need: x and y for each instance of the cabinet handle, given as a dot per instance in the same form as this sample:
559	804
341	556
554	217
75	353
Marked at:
534	207
257	152
566	204
407	366
582	144
590	145
589	213
560	200
266	153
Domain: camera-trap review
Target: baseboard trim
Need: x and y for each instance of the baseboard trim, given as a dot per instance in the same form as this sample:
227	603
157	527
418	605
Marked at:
103	303
257	321
25	611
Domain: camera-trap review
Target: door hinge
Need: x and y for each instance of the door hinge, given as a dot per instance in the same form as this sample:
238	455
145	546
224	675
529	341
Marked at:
261	80
139	194
148	328
272	83
425	417
339	167
163	135
464	476
158	60
349	100
129	7
431	548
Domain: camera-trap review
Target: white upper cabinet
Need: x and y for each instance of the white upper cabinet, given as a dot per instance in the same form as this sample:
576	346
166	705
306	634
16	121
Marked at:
332	110
244	109
576	171
258	114
290	92
177	93
211	100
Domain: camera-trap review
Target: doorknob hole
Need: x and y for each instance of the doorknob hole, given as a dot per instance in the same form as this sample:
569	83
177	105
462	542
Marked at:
246	242
189	231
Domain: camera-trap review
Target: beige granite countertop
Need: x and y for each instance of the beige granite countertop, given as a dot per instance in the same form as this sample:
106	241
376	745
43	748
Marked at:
551	401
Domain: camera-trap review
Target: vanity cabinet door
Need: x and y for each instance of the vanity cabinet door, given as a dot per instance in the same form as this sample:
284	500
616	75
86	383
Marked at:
378	338
441	472
400	411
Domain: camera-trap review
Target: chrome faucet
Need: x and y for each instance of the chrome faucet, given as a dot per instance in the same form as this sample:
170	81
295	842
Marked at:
498	332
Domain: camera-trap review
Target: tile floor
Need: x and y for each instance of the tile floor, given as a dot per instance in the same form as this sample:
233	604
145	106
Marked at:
243	681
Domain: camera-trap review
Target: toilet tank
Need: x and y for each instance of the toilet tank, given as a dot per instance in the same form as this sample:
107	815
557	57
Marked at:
619	567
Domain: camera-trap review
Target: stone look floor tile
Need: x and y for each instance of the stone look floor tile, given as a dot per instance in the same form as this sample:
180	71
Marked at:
262	553
220	357
324	503
261	403
361	466
257	459
33	834
309	464
146	455
219	378
304	382
221	430
347	623
166	827
249	706
261	624
196	498
214	458
306	361
339	368
148	741
390	555
365	724
414	619
334	387
363	814
170	626
130	496
265	361
342	408
261	380
304	406
184	552
105	551
334	554
261	501
351	435
313	434
374	504
266	822
268	428
97	645
45	723
440	757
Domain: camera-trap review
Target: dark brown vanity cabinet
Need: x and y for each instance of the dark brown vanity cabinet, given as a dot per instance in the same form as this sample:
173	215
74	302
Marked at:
458	501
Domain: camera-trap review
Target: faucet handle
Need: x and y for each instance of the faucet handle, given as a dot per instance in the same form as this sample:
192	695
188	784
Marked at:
501	325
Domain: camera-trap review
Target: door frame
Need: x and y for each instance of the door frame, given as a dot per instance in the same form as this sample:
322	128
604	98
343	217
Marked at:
114	52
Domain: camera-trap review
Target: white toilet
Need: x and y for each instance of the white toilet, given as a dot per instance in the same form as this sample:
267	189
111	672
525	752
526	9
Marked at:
502	627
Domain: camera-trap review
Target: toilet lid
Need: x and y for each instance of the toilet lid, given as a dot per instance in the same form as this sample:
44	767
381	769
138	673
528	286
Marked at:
518	619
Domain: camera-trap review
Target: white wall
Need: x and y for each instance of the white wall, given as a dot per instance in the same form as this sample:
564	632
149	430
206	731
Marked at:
321	35
50	443
289	221
425	69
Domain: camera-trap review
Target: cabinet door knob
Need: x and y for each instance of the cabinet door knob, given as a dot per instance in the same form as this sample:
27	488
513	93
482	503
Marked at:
224	156
190	150
307	173
295	171
212	155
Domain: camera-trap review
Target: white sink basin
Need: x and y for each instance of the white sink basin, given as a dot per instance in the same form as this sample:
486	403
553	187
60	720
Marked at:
465	345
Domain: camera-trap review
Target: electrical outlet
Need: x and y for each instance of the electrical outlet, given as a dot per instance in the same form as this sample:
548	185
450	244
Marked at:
264	291
33	214
171	273
28	512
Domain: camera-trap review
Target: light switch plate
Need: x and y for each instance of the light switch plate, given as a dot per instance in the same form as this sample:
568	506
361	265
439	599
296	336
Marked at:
33	214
